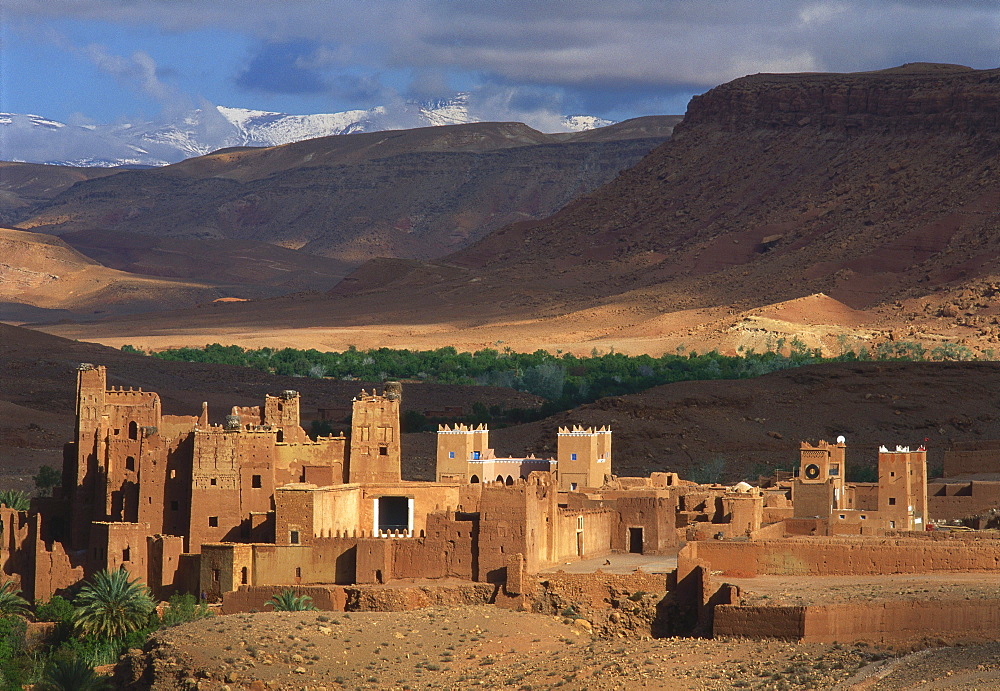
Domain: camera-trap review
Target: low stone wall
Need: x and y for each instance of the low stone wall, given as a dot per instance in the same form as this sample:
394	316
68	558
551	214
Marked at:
360	598
842	556
876	622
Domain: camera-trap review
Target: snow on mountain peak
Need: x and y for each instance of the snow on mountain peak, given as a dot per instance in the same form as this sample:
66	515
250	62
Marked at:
36	139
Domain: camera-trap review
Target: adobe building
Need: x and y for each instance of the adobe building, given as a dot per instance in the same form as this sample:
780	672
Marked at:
219	510
898	501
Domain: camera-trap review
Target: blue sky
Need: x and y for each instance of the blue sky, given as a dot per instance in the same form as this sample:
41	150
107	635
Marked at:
118	60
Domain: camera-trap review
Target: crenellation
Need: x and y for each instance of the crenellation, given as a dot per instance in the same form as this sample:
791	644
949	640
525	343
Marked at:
184	504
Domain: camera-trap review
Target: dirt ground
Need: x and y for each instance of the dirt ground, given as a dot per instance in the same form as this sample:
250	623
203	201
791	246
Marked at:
476	647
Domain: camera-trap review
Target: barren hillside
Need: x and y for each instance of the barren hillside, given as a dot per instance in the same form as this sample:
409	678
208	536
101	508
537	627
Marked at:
873	197
409	193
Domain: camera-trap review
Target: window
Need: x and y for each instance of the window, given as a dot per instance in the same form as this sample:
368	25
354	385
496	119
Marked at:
215	575
293	537
126	554
175	505
451	454
213	521
298	572
572	486
572	457
842	516
892	474
255	481
130	463
213	481
133	430
835	469
383	451
892	501
475	455
244	576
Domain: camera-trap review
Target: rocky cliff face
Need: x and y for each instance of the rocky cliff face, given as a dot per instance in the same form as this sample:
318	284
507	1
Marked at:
867	187
919	97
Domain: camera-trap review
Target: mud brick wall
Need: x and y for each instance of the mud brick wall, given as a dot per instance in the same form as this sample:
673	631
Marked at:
786	623
255	598
843	556
952	501
876	622
972	457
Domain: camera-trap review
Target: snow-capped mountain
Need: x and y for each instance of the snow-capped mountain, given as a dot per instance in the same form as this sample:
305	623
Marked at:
34	139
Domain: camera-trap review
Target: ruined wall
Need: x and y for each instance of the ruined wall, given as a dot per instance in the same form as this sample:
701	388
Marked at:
165	566
119	546
843	556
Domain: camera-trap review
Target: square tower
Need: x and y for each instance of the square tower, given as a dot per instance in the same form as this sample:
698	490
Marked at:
458	448
902	488
375	451
818	490
584	457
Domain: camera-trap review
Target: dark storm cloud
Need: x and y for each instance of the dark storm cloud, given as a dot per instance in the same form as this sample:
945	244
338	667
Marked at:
283	68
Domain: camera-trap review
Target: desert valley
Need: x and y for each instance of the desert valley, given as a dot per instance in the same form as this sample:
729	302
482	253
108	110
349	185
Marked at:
827	520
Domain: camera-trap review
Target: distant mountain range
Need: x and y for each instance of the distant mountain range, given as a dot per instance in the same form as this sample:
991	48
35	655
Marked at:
35	139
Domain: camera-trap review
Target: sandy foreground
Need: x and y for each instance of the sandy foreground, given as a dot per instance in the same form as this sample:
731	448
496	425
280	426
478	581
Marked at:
486	647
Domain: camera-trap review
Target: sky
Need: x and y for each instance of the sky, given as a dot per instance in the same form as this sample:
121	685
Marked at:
108	61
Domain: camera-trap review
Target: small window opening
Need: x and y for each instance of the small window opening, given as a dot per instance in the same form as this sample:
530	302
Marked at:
451	454
244	576
213	521
214	481
383	451
298	572
293	537
215	575
133	430
892	501
474	479
281	435
255	481
126	554
130	463
572	457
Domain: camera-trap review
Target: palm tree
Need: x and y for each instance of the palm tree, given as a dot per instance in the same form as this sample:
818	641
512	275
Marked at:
290	601
15	499
111	606
72	674
11	601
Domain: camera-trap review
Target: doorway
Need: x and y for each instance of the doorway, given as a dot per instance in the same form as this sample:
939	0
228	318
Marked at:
635	540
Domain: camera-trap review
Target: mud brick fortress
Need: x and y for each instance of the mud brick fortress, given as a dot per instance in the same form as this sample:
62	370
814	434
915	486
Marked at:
235	512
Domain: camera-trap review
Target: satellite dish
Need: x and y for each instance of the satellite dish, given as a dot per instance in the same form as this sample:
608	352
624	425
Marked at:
841	439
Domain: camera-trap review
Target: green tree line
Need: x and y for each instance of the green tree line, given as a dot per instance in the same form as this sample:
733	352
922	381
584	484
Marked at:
563	379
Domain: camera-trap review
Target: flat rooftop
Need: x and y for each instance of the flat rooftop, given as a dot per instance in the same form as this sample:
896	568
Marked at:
619	563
